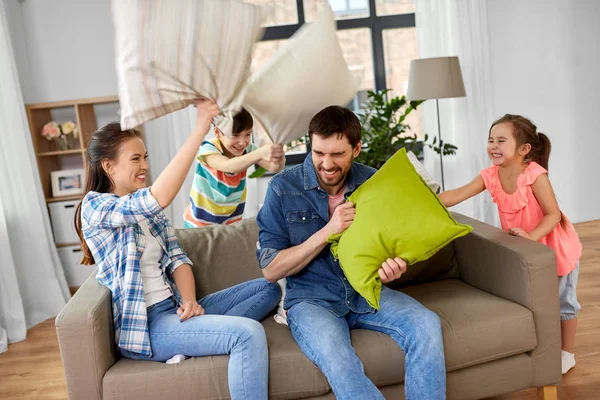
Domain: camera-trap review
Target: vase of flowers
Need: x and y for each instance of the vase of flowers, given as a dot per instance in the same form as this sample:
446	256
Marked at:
59	133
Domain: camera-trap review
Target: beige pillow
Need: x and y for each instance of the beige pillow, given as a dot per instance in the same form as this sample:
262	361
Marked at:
170	52
433	185
307	74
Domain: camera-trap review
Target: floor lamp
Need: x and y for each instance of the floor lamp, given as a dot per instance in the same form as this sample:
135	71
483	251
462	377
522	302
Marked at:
435	78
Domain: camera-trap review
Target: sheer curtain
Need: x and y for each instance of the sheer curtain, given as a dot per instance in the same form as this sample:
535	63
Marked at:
32	283
460	28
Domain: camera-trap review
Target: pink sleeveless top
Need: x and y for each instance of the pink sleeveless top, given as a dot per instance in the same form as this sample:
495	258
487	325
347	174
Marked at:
522	210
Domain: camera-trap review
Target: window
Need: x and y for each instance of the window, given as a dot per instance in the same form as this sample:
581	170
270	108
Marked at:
377	37
399	47
357	48
392	7
279	12
342	9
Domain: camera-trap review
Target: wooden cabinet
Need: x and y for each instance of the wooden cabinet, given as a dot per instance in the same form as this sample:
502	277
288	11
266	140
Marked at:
88	114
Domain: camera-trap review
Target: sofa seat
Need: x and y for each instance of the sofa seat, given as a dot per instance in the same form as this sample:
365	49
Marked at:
477	327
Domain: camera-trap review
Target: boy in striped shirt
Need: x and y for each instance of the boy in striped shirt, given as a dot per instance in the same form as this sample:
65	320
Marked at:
218	193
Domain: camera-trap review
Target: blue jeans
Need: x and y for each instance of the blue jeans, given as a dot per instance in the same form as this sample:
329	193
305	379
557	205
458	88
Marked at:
325	339
229	326
567	291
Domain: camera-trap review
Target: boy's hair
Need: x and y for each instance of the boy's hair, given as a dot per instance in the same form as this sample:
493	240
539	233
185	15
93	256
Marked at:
242	122
336	120
525	131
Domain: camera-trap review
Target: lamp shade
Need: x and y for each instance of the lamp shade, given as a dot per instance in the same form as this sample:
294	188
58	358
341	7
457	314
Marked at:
435	78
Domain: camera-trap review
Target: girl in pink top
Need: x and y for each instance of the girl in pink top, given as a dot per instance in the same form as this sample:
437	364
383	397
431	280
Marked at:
519	185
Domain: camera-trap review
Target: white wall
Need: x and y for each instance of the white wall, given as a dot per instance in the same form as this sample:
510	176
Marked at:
545	57
64	48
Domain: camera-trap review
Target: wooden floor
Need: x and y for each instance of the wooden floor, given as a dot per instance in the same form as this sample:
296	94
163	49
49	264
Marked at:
32	369
583	381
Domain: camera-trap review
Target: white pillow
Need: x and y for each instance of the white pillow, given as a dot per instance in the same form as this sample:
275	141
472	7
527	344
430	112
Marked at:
170	52
306	75
433	185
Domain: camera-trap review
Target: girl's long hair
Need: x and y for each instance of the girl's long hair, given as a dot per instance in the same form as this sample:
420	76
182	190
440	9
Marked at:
526	132
104	144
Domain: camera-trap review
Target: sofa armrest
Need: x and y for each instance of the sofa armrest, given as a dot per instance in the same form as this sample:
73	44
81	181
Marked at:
86	338
522	271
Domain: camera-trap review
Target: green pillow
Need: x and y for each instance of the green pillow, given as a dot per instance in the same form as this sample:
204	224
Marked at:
397	215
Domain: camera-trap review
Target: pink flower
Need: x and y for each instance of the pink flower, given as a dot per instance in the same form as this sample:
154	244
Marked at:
51	130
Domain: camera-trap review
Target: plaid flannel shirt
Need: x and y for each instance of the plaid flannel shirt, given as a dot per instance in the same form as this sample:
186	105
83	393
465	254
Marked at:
111	231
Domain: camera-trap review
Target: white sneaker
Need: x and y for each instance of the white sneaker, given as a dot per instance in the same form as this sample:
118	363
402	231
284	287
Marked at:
568	361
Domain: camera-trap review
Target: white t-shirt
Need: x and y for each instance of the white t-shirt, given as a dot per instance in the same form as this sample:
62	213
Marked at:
155	288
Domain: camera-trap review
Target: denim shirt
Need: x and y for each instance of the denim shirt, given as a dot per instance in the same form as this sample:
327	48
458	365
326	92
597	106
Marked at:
295	208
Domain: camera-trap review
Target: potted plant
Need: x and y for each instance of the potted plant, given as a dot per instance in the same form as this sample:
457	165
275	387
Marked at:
384	130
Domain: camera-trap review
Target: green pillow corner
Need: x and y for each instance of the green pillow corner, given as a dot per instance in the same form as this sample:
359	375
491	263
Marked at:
395	192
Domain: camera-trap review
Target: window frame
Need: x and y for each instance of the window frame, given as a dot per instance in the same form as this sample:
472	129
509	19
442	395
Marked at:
377	24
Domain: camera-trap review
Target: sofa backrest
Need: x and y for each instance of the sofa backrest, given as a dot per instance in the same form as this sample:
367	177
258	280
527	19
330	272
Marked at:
442	265
225	255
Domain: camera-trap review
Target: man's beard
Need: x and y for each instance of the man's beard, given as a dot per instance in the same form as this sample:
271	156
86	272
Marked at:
324	181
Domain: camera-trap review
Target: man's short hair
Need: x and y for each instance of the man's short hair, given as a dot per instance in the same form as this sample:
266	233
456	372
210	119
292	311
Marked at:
336	120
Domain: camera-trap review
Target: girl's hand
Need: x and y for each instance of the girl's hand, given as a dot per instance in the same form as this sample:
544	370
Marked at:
206	110
520	232
189	309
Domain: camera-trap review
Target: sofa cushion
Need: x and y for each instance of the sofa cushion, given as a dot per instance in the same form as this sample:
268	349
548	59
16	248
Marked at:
477	328
291	374
130	379
223	255
397	215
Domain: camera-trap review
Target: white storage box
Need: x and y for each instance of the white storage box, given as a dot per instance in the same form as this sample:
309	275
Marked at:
62	214
75	273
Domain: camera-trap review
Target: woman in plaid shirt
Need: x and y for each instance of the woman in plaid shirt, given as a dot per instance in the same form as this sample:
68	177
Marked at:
124	231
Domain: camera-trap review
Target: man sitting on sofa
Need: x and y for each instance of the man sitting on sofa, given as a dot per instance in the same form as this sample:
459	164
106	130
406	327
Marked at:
303	206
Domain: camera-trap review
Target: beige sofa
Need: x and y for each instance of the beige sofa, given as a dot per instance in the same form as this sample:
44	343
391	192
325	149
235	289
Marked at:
496	295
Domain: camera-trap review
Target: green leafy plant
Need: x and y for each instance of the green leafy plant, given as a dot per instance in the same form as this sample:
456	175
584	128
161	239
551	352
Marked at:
258	172
384	130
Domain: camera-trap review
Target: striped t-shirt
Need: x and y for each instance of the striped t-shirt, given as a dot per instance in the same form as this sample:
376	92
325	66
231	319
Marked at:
216	197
